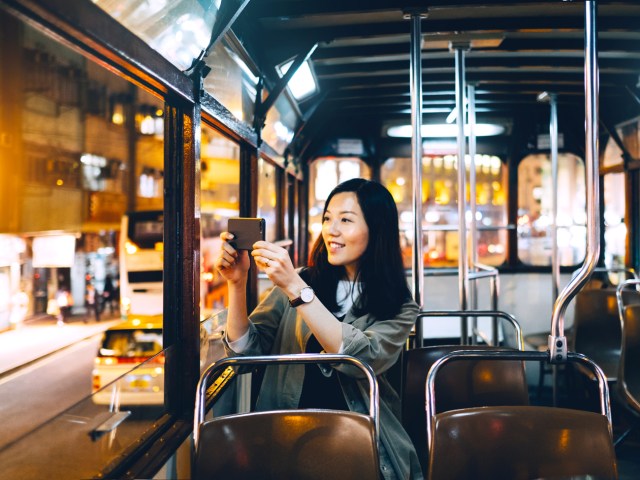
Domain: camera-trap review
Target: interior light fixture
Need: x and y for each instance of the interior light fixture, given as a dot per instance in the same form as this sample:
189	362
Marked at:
445	130
303	83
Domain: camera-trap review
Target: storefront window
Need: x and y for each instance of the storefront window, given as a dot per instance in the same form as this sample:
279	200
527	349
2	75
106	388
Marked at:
440	207
535	210
219	200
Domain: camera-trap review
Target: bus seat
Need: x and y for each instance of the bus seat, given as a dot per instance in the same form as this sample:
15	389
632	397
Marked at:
596	328
521	442
628	385
309	444
461	384
293	444
629	373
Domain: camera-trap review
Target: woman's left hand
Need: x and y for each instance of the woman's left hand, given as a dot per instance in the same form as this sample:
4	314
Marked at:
275	262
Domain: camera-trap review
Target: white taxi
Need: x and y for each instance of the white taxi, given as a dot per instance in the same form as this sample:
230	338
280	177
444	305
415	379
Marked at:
118	376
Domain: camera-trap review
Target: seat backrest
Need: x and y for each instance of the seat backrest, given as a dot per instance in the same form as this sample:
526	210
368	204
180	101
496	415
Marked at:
288	445
521	442
596	327
460	384
629	373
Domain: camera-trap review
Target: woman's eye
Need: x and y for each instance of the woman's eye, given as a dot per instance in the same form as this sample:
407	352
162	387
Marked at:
346	220
325	219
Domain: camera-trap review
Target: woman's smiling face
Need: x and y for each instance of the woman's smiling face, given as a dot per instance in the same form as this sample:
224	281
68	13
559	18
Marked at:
345	232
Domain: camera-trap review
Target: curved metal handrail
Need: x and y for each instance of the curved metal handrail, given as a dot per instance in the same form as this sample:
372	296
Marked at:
557	340
201	390
430	394
619	299
477	314
447	272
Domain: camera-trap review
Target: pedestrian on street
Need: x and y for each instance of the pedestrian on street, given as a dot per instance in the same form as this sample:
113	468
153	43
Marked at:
65	302
91	298
108	294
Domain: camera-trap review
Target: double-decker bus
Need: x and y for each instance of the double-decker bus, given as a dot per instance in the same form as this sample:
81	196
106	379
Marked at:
141	257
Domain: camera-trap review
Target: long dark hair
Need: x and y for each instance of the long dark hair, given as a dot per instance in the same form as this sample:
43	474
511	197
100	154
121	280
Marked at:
381	273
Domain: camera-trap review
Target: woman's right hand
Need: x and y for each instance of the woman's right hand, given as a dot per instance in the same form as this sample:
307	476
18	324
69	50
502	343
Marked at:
232	264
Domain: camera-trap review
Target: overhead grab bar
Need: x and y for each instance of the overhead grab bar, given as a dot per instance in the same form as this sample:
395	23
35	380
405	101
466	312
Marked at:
557	341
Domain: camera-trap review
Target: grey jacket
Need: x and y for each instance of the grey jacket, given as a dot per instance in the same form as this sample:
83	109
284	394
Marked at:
276	328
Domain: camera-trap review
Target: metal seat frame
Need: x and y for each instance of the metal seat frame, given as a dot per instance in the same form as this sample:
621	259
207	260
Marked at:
565	462
299	436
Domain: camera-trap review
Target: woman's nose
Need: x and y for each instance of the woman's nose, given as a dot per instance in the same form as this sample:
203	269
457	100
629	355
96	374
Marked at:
333	228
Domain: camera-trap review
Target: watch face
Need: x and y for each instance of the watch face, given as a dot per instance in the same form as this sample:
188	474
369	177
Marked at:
306	294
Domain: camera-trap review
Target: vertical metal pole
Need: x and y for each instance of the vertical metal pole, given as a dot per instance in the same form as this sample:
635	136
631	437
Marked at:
557	340
417	270
463	262
553	136
473	230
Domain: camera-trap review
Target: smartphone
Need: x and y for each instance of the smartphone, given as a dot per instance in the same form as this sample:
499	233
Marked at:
246	231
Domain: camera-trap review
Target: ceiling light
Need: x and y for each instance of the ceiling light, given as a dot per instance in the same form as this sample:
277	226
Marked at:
445	130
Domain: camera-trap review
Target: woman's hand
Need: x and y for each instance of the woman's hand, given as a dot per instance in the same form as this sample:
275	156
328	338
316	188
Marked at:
232	264
276	263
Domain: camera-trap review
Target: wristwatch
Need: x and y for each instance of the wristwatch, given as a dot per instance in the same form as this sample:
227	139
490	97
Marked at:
306	296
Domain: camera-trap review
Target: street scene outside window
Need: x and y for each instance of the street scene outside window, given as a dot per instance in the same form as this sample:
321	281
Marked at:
535	217
440	207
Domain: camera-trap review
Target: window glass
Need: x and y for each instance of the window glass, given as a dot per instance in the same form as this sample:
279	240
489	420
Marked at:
615	230
70	167
178	29
80	147
230	82
612	154
267	197
440	207
279	124
535	210
219	200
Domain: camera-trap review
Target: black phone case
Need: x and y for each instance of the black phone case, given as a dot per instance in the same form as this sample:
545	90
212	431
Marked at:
246	231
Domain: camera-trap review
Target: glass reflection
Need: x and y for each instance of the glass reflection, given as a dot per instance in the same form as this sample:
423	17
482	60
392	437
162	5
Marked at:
179	30
535	214
440	207
219	200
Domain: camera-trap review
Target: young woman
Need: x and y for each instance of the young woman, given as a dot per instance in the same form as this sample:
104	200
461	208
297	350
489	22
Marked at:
352	298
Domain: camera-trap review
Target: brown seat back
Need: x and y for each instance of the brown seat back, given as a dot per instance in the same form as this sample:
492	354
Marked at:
460	384
596	328
629	373
521	442
291	444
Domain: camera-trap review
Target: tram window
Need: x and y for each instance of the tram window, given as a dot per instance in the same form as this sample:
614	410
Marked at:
219	200
279	125
70	164
325	174
535	210
615	233
615	230
267	197
178	30
229	83
440	210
